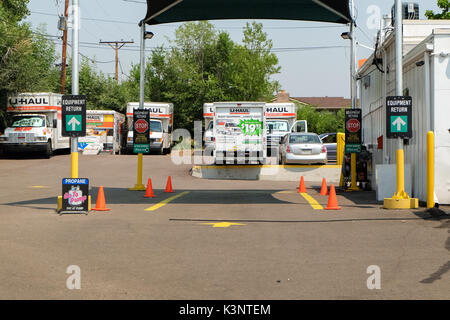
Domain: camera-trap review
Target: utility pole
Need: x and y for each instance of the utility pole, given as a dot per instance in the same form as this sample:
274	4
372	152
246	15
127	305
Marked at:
117	45
64	50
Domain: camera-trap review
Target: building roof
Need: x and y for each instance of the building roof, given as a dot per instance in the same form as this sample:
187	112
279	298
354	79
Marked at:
324	102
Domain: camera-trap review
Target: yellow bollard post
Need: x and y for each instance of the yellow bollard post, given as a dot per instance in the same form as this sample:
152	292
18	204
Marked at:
401	199
74	165
430	170
340	154
139	186
354	186
400	173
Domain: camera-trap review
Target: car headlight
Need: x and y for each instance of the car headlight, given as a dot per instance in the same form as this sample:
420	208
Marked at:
3	138
44	138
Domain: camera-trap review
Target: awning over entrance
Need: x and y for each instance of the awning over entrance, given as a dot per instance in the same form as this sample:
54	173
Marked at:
166	11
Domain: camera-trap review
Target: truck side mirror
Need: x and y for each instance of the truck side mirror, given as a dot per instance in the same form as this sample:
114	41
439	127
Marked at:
170	128
55	123
270	128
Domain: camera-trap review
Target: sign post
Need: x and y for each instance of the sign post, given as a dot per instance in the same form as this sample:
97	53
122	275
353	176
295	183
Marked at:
353	141
399	126
73	125
141	142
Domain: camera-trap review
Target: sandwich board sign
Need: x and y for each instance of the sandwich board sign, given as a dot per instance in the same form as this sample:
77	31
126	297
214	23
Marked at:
73	116
75	197
353	138
141	131
398	117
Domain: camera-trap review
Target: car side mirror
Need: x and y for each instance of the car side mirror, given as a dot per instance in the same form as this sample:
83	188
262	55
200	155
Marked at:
55	123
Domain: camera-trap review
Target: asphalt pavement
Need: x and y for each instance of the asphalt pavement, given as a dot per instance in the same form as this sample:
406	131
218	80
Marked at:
210	239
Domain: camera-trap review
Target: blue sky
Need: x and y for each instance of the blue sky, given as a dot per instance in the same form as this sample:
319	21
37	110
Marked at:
318	72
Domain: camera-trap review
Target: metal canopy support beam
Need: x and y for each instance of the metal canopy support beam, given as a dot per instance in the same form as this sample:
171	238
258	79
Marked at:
320	3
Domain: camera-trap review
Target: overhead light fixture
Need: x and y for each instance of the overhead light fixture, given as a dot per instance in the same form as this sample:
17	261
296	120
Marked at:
346	36
148	35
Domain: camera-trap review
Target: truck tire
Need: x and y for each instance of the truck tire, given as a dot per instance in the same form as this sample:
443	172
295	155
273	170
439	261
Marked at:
49	150
166	151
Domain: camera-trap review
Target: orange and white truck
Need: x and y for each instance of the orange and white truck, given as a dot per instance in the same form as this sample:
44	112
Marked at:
161	126
35	124
103	132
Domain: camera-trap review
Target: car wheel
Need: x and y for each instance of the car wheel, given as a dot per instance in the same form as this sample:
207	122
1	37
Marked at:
49	150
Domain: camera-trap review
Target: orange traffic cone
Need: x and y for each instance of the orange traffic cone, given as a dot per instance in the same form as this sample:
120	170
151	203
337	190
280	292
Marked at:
169	185
332	200
302	187
149	192
100	205
324	190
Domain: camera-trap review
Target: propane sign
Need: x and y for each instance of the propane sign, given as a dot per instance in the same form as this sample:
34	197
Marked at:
75	197
353	140
141	131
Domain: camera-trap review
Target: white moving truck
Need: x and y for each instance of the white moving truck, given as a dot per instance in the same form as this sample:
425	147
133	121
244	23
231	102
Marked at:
103	132
35	124
240	132
208	115
281	120
161	126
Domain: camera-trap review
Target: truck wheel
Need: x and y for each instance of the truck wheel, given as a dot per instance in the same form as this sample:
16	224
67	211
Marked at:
166	151
49	150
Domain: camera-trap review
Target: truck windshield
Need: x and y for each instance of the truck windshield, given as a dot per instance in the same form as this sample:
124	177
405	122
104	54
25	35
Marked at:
155	126
28	121
278	126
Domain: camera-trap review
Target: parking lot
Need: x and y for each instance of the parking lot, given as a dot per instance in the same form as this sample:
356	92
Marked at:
211	239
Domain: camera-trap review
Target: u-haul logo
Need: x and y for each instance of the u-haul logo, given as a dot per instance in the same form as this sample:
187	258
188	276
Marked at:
277	110
239	110
156	110
28	101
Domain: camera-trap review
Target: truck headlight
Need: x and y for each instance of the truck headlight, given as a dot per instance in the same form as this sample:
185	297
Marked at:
130	139
44	138
3	139
158	139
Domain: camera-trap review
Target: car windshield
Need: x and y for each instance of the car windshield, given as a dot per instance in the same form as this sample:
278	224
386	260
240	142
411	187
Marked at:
309	139
28	121
155	126
278	126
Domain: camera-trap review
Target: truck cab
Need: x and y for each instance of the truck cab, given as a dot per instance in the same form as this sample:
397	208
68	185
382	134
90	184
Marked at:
35	124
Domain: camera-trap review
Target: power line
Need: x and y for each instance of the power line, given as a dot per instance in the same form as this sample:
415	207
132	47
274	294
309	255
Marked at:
218	27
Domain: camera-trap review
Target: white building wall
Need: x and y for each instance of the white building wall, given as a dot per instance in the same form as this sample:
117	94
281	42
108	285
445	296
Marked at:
430	110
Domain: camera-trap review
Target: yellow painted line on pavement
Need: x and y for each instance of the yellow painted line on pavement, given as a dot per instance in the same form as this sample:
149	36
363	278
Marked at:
166	201
314	204
39	187
223	224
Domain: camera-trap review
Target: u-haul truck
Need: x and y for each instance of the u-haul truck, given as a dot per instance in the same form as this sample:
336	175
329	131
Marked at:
103	132
240	133
281	120
208	115
35	124
161	126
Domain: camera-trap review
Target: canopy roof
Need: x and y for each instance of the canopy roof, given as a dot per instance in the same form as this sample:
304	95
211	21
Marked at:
166	11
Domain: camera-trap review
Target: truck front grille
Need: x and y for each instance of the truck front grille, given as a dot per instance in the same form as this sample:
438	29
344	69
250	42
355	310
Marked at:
21	137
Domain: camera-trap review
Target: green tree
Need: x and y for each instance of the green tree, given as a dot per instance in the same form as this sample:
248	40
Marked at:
205	65
445	14
27	58
322	121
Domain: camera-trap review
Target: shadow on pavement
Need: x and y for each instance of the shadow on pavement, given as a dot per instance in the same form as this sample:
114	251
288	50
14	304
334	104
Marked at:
124	196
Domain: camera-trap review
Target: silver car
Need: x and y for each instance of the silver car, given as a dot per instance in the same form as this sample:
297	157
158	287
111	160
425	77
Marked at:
302	148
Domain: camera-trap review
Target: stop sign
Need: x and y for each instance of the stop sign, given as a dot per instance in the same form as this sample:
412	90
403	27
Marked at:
141	126
353	125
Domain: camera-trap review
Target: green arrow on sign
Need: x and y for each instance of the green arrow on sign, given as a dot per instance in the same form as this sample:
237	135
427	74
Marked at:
73	123
399	124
